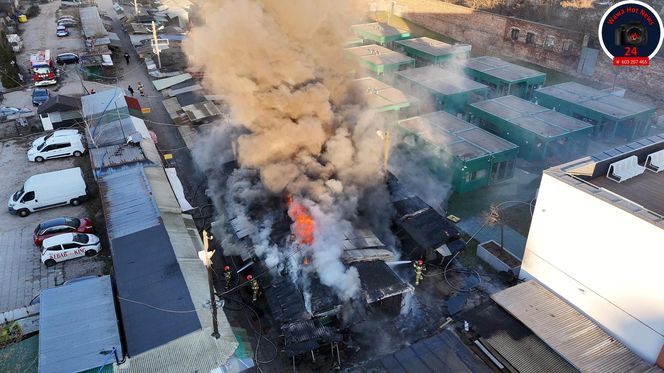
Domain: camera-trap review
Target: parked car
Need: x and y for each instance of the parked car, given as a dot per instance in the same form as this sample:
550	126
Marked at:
65	224
57	147
66	58
69	246
67	22
56	133
70	3
39	96
6	110
62	31
48	190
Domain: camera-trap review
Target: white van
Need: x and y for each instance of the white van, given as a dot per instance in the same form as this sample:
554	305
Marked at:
52	189
63	143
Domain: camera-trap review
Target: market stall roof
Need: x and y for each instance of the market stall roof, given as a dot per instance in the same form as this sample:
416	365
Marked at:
378	55
379	32
601	102
381	96
455	136
78	326
568	332
503	70
441	81
533	118
433	47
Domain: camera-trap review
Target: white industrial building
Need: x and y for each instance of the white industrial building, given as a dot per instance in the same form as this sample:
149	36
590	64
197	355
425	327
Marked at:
597	240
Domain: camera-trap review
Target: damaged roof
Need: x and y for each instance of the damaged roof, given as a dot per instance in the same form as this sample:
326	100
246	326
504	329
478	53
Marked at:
284	299
379	281
444	352
421	228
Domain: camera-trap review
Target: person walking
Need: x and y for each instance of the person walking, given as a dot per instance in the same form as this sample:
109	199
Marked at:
141	89
131	90
126	56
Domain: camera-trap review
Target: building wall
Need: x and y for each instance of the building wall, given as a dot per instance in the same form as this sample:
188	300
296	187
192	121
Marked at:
491	34
603	260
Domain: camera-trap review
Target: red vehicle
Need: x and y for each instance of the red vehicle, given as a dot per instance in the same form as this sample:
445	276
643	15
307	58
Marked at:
43	68
54	227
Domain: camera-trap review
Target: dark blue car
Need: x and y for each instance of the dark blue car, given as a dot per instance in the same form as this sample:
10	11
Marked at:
39	96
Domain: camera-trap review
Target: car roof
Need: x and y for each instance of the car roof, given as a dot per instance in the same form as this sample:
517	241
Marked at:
68	132
67	54
39	90
54	222
59	239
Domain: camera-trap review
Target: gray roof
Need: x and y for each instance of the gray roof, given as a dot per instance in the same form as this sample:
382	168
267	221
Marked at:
444	352
378	29
531	117
103	102
513	341
115	132
434	47
91	23
78	327
60	103
382	96
378	55
571	334
503	70
441	81
128	202
595	100
455	136
112	158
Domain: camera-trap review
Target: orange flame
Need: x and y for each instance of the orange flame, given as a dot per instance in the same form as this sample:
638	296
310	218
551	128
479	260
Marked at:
303	222
306	261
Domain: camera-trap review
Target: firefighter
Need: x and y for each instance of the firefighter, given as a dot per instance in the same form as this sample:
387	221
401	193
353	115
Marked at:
254	288
419	270
227	276
141	88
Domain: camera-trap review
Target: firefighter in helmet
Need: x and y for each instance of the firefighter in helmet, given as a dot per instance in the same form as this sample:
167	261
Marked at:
227	276
419	271
254	287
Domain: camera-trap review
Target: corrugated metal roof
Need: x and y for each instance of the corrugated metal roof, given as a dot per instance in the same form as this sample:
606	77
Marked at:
111	133
91	23
128	202
379	281
571	334
78	327
513	341
115	156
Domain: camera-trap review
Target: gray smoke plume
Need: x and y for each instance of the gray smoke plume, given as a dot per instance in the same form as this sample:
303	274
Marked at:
296	126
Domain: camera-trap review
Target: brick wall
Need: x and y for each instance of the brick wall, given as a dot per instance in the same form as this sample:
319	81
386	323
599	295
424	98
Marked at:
549	46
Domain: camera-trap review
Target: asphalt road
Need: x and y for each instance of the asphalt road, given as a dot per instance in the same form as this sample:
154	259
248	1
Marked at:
169	139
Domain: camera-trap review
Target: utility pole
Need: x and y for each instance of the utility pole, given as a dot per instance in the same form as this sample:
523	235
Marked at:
136	8
208	266
386	152
156	43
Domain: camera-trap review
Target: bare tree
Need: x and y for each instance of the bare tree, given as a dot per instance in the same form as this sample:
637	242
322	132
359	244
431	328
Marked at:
494	217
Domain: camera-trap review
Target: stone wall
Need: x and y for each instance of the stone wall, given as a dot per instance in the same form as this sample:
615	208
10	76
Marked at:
547	46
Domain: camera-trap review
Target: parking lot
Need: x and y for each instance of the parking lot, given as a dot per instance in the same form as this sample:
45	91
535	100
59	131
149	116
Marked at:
22	274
